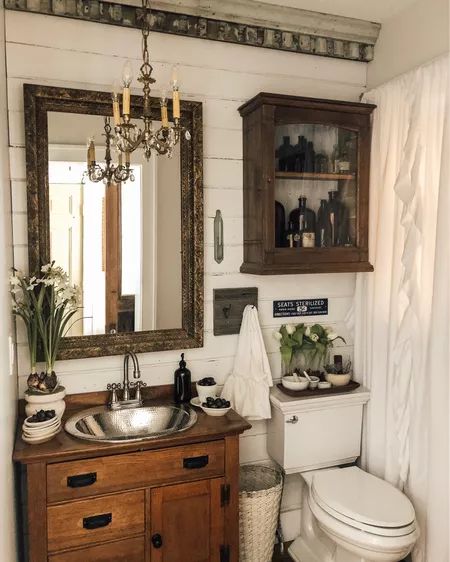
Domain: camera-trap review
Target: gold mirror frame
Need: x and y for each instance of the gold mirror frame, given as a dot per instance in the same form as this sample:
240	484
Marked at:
38	101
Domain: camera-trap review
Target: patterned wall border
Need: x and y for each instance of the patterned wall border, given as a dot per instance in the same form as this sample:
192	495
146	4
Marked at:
200	27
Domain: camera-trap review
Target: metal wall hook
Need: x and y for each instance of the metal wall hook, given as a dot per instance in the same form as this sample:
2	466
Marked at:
226	311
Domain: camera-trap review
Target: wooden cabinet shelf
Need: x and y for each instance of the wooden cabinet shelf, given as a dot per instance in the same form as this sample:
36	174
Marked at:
313	176
325	215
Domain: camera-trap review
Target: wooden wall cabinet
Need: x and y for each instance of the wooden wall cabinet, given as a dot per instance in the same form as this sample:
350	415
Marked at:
306	185
172	501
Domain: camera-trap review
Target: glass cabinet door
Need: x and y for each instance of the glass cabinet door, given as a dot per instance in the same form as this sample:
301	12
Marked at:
316	169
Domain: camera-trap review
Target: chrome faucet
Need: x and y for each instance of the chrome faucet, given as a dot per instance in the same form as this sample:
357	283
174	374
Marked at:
127	402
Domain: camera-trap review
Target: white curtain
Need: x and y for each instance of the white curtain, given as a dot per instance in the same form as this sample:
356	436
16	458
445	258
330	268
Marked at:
402	311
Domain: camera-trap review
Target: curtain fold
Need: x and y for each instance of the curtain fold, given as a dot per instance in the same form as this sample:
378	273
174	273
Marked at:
401	313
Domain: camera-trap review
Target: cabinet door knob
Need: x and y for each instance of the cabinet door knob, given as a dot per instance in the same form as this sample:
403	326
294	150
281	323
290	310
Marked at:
157	540
293	419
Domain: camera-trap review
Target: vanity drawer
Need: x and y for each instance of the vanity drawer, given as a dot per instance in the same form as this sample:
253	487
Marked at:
76	479
128	550
95	520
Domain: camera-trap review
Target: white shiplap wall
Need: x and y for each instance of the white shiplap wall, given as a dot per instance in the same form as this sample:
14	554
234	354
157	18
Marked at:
64	52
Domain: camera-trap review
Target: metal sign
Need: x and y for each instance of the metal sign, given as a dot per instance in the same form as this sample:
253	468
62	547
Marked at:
300	307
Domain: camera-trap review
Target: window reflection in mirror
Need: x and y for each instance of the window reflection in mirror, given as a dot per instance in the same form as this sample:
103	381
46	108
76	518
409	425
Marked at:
120	243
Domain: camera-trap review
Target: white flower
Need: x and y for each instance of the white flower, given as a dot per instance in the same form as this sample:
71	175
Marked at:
46	268
14	280
314	337
308	331
277	335
290	329
332	336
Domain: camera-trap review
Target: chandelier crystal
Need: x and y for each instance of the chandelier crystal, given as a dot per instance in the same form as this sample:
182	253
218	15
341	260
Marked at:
108	172
128	135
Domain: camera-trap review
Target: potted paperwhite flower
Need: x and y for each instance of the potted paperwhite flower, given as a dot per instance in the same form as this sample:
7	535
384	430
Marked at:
46	304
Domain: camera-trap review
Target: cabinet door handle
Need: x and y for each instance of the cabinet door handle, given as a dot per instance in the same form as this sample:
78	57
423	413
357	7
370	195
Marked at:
157	541
293	419
81	480
97	521
196	462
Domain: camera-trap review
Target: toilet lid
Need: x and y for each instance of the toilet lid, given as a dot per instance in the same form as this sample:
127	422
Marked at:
362	497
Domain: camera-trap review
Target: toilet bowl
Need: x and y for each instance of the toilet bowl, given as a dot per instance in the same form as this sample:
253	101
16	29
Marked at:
352	516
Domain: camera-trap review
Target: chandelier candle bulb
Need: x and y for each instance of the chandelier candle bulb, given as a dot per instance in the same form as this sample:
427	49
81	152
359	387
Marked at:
116	110
91	152
176	103
126	101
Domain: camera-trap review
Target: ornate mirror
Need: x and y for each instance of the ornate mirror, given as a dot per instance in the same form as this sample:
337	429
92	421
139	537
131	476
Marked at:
135	247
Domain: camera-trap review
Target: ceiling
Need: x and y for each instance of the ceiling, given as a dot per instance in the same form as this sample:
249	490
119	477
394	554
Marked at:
370	10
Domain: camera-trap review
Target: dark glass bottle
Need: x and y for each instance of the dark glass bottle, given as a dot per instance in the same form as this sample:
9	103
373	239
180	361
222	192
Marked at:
304	219
337	217
300	153
323	230
286	156
290	235
182	383
280	225
310	157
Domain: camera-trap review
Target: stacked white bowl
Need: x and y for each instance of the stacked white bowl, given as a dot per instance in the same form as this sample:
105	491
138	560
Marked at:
35	431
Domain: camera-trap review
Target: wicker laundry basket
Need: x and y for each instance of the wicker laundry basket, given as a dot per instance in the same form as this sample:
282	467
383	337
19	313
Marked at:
259	506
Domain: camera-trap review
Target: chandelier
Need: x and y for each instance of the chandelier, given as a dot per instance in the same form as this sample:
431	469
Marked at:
109	172
128	135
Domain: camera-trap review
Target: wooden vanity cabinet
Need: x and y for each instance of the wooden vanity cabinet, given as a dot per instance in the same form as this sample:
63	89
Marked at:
174	503
304	148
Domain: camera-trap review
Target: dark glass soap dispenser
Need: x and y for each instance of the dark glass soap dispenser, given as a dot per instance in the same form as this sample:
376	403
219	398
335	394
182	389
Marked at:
182	382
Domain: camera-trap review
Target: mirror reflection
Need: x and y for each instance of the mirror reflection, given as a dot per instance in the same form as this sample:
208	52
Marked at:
119	242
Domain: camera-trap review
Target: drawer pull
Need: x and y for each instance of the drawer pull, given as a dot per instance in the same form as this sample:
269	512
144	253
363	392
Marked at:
82	480
157	540
97	521
196	462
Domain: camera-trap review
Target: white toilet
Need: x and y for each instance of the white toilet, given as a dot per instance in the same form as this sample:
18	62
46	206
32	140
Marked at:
348	515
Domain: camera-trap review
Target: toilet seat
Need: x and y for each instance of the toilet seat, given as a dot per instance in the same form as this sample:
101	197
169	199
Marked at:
363	501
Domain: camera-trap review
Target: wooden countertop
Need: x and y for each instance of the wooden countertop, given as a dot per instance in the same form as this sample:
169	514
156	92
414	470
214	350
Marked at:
64	447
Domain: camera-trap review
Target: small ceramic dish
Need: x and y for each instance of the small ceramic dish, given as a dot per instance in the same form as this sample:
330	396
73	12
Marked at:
313	382
196	402
37	440
41	432
338	380
205	392
215	412
46	423
289	381
323	385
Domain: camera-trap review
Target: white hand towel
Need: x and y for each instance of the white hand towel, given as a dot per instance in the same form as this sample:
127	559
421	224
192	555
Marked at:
247	387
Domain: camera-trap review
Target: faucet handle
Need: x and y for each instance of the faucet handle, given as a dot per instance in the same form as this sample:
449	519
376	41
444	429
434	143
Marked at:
138	385
113	387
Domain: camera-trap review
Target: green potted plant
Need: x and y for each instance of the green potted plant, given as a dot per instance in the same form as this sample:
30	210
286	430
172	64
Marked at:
46	304
304	348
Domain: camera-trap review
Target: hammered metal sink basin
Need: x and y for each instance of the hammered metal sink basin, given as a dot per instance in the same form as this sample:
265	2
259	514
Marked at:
132	424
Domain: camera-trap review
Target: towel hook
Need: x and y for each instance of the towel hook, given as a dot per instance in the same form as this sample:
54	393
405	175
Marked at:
226	311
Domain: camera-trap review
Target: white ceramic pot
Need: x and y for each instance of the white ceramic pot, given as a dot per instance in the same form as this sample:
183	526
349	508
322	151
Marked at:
338	380
36	401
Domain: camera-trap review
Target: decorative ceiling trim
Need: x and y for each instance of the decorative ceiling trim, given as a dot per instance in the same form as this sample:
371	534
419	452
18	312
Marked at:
297	31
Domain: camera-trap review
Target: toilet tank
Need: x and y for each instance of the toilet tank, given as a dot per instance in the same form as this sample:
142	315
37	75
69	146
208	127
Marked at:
315	432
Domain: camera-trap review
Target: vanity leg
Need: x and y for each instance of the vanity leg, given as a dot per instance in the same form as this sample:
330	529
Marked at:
36	519
232	511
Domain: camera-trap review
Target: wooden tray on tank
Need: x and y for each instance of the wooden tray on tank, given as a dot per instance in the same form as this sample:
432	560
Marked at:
352	385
